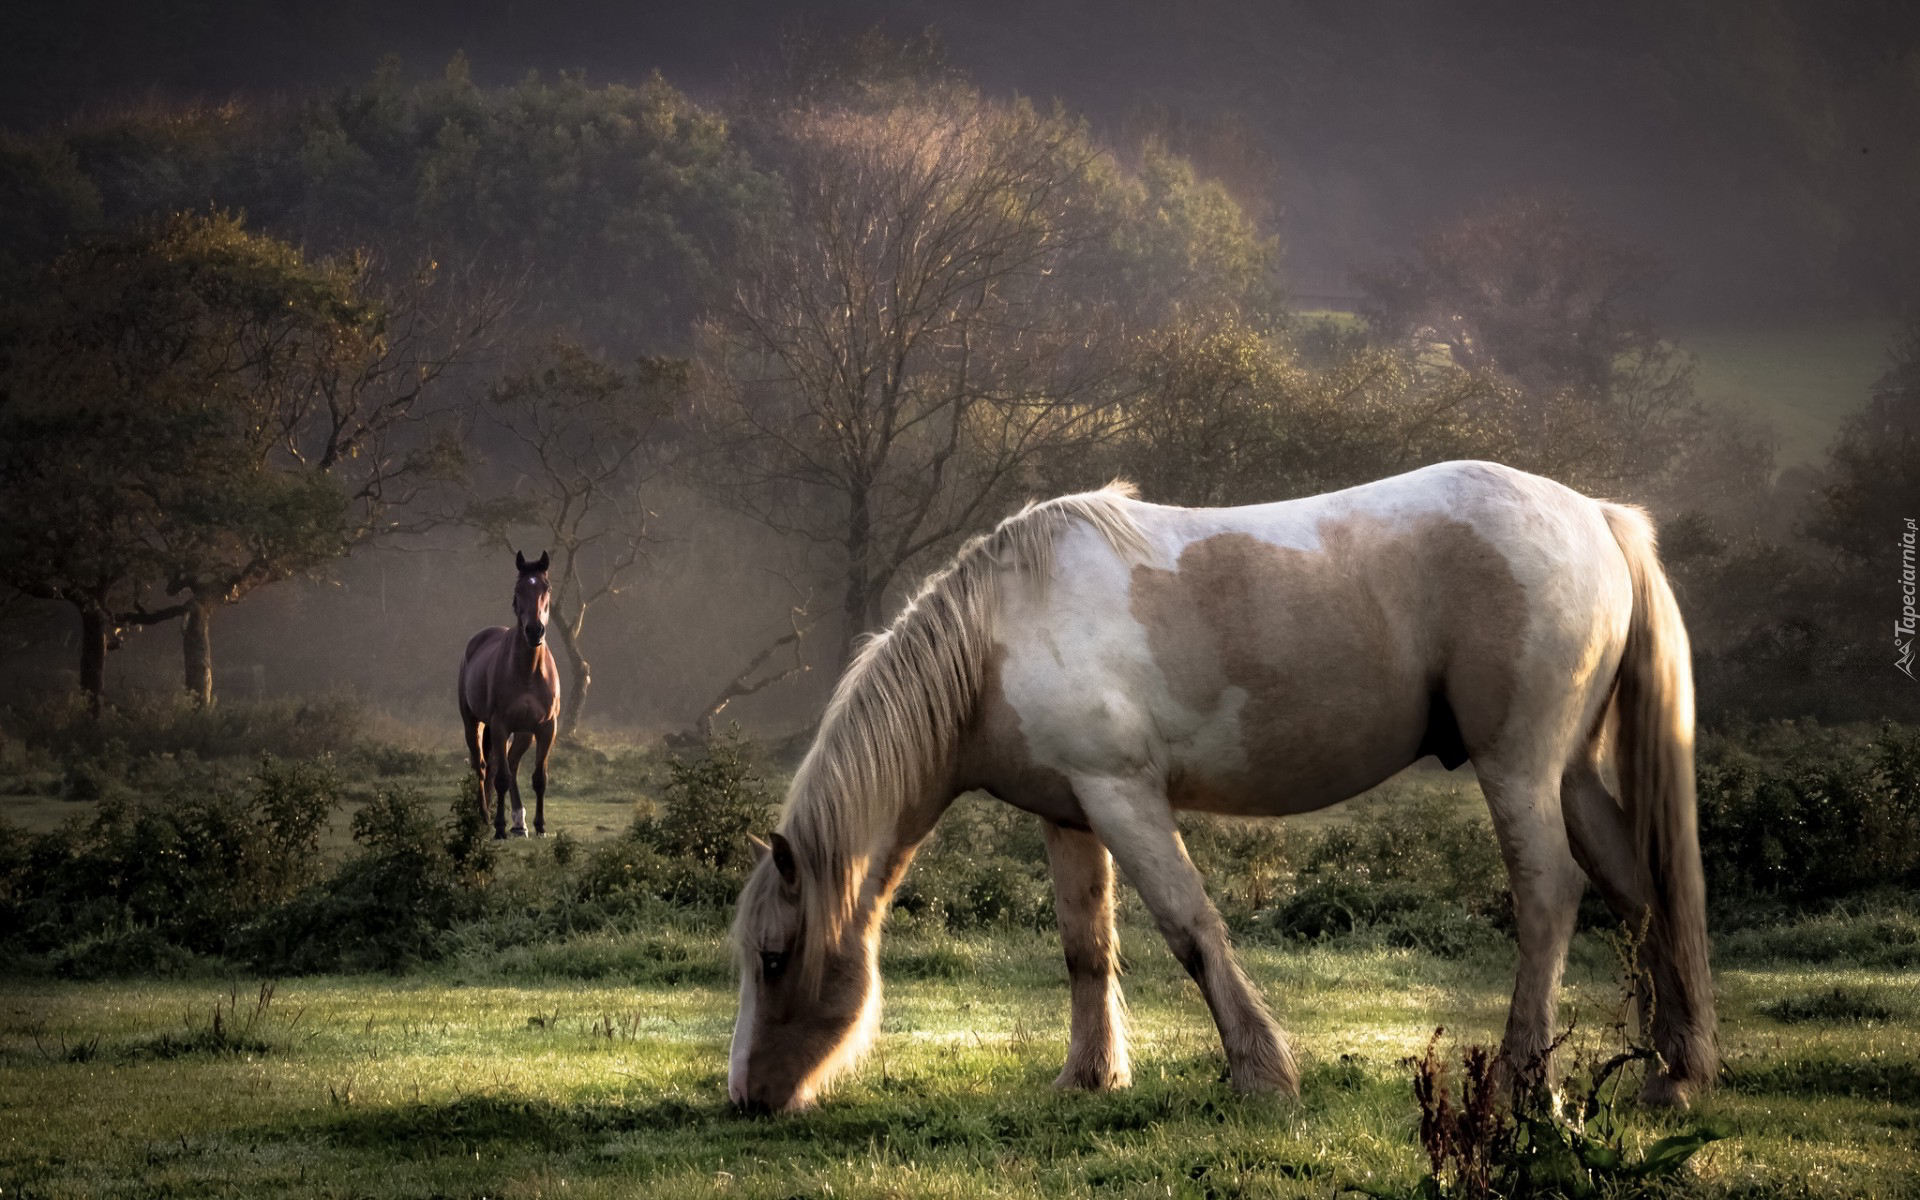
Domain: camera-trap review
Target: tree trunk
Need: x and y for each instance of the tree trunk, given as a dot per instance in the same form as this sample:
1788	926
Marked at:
94	632
196	644
857	601
573	699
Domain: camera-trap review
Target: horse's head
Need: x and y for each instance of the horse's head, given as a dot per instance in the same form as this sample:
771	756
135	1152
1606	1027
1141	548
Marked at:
807	1008
532	598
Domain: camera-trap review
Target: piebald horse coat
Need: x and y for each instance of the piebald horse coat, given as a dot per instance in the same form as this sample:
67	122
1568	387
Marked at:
1103	662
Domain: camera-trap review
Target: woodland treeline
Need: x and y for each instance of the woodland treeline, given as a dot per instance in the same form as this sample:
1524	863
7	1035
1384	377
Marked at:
859	303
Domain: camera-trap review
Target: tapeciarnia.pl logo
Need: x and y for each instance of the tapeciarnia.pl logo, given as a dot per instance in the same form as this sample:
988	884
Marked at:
1903	628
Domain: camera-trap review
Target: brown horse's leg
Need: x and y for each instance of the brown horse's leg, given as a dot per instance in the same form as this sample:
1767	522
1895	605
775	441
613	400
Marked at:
515	753
1083	898
479	766
543	739
497	775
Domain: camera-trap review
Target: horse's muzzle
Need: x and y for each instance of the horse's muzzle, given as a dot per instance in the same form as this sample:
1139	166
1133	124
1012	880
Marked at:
535	634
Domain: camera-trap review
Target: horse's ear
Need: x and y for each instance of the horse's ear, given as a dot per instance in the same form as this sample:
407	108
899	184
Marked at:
783	857
541	566
519	562
759	849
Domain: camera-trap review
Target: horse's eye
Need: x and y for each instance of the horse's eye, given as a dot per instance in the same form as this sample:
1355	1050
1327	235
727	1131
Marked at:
773	963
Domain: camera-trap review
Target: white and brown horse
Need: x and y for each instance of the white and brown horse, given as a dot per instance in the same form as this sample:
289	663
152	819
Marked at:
510	699
1104	662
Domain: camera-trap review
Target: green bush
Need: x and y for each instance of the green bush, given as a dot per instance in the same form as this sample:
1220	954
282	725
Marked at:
149	724
415	877
695	852
984	867
1411	867
188	871
1793	814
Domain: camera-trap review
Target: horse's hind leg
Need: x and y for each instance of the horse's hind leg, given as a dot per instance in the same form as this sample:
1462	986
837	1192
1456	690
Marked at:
515	753
1546	886
1083	898
1133	818
1603	843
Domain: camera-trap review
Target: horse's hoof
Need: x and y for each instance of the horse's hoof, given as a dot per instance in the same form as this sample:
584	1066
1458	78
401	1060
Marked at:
519	833
1664	1091
499	835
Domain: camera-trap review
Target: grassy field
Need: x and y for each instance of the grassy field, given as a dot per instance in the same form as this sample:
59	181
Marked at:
512	1076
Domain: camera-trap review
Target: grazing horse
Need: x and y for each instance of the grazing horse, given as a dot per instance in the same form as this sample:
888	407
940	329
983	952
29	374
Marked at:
510	692
1103	663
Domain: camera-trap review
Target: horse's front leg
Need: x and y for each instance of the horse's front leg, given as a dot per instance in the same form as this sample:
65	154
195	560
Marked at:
543	746
514	754
1132	816
497	776
474	759
1083	899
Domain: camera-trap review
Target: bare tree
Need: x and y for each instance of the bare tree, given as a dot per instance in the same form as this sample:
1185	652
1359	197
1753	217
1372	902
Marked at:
902	349
587	440
756	676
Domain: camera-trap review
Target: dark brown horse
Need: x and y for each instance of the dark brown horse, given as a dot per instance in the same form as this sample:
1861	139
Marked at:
510	693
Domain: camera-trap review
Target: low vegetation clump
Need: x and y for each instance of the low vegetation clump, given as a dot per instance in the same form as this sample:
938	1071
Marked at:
1413	869
146	725
1837	1004
694	850
145	887
416	874
1796	816
1507	1135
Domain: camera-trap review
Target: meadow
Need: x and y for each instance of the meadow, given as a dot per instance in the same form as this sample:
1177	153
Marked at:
516	1079
566	1034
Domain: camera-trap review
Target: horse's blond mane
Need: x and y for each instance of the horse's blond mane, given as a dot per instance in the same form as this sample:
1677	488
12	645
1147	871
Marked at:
898	711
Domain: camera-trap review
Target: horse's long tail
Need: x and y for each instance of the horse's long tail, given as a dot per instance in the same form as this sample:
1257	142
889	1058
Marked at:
1654	713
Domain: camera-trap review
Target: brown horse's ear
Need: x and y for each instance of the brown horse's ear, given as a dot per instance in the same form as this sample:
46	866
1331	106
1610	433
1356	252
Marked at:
759	849
520	562
783	857
540	567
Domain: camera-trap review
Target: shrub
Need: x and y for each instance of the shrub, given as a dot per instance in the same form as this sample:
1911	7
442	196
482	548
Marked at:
187	871
1248	864
1797	814
1410	867
414	877
148	724
984	867
695	851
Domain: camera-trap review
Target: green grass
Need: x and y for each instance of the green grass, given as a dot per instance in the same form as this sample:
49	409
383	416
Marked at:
1803	379
491	1078
591	793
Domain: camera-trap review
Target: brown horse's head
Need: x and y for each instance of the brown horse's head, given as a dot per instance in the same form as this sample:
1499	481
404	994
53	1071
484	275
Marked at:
532	598
807	1011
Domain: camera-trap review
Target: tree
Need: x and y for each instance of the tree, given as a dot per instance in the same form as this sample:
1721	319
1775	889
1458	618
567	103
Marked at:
1874	465
586	441
1534	290
908	342
196	411
1226	414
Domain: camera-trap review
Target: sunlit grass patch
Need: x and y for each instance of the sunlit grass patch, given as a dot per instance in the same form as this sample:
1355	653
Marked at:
471	1079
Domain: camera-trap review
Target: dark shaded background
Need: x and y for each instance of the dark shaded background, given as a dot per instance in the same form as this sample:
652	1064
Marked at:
1766	149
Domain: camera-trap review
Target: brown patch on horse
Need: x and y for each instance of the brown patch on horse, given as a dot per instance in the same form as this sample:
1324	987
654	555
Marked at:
994	757
1383	644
